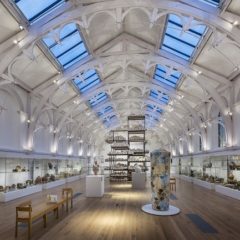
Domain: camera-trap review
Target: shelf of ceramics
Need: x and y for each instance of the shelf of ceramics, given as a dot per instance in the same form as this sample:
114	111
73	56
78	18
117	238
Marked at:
54	184
136	117
123	147
73	178
117	154
233	193
204	184
136	131
11	195
137	140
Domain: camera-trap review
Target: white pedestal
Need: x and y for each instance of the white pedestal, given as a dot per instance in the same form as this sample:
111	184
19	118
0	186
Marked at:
54	184
171	211
94	185
8	196
138	180
228	191
72	179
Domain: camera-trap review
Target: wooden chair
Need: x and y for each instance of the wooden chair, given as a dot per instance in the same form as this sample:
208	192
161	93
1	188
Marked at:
173	184
24	215
67	193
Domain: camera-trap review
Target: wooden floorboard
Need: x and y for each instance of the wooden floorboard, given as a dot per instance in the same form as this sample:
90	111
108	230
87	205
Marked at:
118	216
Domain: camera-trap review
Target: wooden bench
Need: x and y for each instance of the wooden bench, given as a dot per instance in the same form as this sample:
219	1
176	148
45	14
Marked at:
26	214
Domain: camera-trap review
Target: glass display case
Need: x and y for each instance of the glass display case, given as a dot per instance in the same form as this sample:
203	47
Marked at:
222	170
15	174
20	173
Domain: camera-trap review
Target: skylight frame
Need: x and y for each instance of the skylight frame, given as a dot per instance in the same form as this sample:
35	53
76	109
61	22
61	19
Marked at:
24	8
213	3
89	84
168	80
72	48
97	99
164	99
182	44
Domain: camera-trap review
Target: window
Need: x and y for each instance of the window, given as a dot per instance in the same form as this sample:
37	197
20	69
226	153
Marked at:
109	120
71	48
98	99
154	109
171	80
214	3
200	143
178	42
34	10
104	111
159	96
221	133
87	80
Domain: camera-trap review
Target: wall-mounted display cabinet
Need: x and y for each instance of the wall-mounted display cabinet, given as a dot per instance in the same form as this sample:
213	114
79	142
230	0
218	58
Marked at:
21	173
222	170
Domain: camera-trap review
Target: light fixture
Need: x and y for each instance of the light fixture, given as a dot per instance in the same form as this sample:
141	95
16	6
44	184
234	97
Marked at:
236	68
15	41
77	101
230	113
28	121
199	72
235	23
21	27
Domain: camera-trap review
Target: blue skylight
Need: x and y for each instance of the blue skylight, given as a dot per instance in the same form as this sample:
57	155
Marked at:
108	121
105	110
161	76
34	10
87	80
71	48
154	109
160	97
97	99
214	3
182	43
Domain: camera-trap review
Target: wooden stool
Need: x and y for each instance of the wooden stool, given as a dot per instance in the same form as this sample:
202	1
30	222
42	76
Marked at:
68	194
173	184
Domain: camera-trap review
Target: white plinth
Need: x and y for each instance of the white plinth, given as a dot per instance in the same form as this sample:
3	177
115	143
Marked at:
54	184
204	184
94	185
172	210
138	180
8	196
72	179
228	191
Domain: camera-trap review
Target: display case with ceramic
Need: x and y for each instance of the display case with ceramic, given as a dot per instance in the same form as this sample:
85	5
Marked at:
15	174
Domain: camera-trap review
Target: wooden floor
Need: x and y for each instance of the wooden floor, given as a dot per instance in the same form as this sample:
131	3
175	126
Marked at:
118	216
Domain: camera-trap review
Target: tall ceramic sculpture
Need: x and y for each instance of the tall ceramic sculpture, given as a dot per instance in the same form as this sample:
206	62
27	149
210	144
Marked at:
160	164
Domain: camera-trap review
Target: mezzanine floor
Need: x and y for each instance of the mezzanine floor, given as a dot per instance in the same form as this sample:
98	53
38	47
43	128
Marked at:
118	216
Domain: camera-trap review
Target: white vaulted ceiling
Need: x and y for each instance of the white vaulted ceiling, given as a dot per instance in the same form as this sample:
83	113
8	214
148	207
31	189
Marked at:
114	48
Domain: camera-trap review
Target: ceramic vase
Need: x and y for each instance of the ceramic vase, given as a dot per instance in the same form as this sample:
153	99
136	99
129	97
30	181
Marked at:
160	175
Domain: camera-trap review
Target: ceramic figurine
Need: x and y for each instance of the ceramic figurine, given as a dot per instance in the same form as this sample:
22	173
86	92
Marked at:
137	168
95	168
